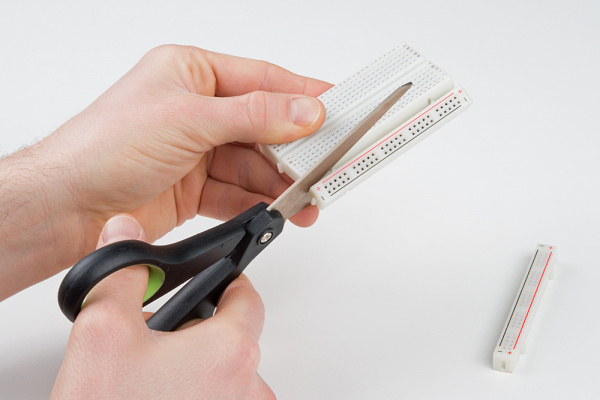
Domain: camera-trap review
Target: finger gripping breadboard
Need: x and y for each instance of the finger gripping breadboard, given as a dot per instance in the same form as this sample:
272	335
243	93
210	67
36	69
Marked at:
432	101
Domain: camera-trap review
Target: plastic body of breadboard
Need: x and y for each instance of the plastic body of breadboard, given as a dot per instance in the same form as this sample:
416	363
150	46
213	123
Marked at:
513	337
432	101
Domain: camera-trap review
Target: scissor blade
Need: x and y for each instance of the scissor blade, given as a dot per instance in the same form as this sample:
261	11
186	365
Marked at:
297	197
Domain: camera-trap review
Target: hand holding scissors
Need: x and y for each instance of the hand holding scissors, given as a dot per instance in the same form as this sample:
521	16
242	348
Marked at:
212	259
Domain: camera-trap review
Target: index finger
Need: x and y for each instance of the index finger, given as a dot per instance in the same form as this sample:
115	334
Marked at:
241	307
237	76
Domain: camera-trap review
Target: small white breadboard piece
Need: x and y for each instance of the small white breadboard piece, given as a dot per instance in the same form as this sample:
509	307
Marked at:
432	101
513	337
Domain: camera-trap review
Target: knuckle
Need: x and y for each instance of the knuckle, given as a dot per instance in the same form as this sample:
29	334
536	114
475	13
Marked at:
187	55
105	326
248	355
222	212
252	300
160	51
254	304
257	305
192	60
269	69
243	353
165	51
98	313
175	54
256	110
192	54
244	174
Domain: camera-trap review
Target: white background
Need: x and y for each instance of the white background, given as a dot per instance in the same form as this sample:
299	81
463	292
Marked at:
402	287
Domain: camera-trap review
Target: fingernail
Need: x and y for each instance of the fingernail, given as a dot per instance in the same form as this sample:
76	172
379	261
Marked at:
304	111
121	227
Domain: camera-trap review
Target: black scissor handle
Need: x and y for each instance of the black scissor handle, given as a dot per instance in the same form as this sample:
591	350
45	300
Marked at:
197	257
193	300
199	297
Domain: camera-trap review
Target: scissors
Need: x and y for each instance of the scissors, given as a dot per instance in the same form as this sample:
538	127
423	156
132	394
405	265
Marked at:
212	259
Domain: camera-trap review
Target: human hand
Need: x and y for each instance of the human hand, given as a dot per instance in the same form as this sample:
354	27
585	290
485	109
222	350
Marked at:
112	354
158	145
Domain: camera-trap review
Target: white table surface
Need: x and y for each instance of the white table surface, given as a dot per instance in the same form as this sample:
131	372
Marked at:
401	288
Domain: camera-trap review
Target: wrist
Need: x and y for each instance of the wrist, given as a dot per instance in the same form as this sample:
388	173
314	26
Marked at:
40	231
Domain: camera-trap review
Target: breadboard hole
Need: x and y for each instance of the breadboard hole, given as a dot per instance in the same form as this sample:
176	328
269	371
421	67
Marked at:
396	142
425	79
448	106
302	160
337	183
362	84
410	120
393	144
421	125
369	79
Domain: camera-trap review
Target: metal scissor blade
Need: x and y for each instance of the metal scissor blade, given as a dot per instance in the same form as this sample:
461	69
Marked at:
297	197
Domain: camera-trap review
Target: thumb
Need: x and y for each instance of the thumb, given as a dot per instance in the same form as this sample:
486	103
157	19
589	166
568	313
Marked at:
123	289
121	227
258	117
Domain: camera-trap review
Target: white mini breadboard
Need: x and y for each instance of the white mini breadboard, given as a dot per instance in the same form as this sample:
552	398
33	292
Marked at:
432	101
513	337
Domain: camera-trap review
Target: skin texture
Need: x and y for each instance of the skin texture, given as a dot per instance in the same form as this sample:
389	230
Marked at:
172	139
112	354
157	145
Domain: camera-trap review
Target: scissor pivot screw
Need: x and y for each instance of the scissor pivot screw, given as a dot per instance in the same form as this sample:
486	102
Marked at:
266	237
